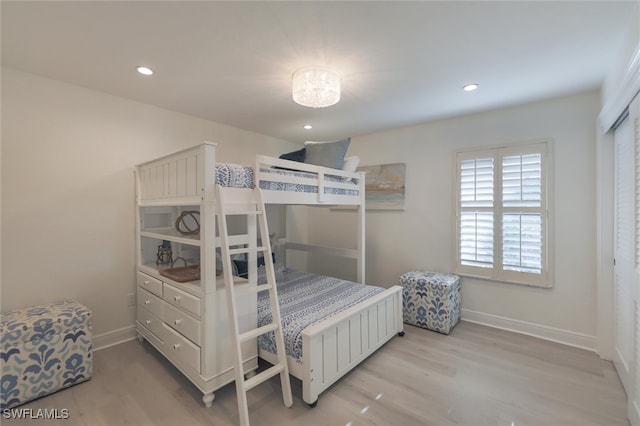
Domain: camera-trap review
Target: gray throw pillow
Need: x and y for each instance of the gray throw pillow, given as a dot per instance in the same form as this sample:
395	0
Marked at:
327	154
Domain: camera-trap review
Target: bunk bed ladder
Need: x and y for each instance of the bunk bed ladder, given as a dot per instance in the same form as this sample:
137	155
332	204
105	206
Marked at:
252	210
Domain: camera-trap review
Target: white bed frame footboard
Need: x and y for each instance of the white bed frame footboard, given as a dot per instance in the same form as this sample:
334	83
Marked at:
333	347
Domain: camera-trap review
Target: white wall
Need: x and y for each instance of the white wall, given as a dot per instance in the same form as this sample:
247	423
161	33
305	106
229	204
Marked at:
624	54
423	236
68	189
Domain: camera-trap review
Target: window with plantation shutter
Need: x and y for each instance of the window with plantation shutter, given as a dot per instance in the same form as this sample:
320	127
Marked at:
476	218
502	214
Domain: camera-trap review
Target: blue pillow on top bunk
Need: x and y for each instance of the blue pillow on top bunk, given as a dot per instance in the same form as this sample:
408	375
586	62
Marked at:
327	154
298	155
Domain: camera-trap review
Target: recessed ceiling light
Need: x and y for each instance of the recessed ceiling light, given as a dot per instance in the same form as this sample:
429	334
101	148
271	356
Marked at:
145	70
470	87
307	127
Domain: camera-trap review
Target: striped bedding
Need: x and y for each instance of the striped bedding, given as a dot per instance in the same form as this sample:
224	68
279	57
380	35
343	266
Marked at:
239	176
306	299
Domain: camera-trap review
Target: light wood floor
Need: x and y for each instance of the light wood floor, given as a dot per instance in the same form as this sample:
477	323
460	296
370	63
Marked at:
475	376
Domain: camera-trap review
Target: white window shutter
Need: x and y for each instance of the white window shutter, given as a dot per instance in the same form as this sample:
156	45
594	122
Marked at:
522	180
522	228
476	239
476	183
522	242
476	217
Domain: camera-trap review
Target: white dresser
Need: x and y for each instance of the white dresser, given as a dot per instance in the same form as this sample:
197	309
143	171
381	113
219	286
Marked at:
186	321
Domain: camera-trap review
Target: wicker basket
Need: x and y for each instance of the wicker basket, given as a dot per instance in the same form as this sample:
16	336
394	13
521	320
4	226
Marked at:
183	273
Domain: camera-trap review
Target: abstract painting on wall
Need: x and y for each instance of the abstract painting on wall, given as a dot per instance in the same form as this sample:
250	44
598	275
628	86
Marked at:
385	187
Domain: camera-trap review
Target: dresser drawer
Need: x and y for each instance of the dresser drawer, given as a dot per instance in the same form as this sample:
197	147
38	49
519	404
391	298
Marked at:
150	322
181	349
147	335
150	302
149	283
180	298
182	322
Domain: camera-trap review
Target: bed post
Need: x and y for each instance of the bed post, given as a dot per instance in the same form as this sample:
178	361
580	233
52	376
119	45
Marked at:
361	229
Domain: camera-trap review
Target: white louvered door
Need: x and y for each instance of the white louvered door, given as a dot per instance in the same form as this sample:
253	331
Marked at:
623	270
625	279
634	397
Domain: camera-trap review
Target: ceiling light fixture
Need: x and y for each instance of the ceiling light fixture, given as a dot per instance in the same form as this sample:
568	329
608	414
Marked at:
316	87
307	127
145	70
470	87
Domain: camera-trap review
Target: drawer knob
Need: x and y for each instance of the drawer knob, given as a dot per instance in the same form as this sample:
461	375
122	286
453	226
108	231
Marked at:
176	298
146	302
177	322
147	322
176	346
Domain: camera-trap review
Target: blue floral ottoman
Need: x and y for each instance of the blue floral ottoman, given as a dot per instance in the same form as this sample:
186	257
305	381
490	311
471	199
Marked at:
44	349
431	300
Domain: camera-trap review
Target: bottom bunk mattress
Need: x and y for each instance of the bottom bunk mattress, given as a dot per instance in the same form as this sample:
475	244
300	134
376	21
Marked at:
306	299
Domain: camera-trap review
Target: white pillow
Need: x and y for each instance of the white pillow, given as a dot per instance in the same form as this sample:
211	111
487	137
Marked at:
351	163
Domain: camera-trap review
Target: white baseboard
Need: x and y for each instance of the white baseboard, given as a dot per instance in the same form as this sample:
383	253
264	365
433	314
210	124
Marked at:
570	338
115	337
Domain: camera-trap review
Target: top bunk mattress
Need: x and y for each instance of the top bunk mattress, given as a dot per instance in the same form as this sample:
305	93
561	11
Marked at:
306	299
240	176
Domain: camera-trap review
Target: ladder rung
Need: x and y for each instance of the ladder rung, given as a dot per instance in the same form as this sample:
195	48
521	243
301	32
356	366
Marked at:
241	212
263	376
248	289
257	332
246	250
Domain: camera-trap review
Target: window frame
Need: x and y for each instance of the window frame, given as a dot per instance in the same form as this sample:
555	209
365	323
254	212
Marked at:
497	272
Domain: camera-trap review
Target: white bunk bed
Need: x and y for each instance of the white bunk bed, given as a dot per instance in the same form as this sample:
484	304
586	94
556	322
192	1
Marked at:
332	347
337	344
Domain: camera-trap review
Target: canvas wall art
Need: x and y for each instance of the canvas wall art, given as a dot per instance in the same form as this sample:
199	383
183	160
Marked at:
385	186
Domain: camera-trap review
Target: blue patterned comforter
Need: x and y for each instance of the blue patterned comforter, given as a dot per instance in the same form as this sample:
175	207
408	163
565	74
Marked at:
239	176
234	175
296	187
306	299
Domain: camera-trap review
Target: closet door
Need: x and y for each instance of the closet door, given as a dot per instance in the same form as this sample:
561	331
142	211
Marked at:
627	258
634	398
624	291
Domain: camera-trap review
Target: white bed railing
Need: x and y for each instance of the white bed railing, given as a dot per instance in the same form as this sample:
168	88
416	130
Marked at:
188	176
347	181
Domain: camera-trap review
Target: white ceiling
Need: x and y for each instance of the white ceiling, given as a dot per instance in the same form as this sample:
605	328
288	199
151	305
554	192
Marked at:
401	62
